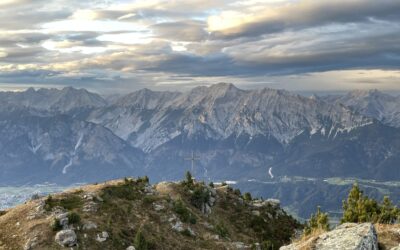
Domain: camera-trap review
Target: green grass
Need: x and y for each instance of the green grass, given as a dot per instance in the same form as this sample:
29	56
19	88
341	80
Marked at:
70	202
74	218
184	213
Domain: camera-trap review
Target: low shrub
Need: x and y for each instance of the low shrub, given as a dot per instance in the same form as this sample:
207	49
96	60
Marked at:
56	226
140	241
183	212
221	230
199	196
74	218
70	202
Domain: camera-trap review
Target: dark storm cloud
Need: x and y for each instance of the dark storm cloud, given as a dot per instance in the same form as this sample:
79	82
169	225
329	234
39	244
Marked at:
307	14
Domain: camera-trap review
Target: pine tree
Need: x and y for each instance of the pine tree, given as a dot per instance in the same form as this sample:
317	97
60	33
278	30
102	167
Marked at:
319	221
359	208
189	179
389	213
247	196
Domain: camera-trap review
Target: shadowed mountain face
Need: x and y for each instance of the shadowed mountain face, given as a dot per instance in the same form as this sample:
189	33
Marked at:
72	135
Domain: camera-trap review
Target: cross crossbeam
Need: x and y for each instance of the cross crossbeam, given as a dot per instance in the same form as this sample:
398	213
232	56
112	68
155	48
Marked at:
192	158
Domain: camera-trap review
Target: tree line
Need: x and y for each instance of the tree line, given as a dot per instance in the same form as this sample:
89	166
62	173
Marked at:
357	208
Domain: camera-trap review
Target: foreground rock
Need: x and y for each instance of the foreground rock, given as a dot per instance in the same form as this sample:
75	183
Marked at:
349	236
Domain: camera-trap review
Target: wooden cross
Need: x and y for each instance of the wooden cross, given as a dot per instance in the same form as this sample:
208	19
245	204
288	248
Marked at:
192	158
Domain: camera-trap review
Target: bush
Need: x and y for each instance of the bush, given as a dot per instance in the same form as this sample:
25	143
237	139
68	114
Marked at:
388	212
126	191
140	242
186	232
144	179
221	230
247	196
188	182
211	184
199	196
184	214
56	226
319	221
74	218
70	202
237	192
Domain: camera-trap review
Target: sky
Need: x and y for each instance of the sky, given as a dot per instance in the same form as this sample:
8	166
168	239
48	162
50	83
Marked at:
118	46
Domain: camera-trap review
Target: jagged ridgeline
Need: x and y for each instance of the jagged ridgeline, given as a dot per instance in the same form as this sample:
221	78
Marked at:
132	214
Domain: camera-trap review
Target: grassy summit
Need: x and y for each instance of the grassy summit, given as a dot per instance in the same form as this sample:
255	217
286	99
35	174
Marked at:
132	214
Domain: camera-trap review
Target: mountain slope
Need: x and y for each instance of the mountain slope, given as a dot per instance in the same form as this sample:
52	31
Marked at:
61	149
221	111
373	103
165	216
63	100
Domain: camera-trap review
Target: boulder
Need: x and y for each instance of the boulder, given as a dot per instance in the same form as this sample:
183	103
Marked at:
131	248
348	236
66	238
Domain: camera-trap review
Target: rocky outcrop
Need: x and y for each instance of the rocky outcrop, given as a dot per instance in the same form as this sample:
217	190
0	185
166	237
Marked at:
348	236
66	238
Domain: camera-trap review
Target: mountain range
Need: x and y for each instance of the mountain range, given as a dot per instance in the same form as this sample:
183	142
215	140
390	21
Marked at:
73	135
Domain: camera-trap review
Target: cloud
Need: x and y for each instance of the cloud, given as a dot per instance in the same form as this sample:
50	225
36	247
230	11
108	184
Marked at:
174	43
265	19
188	30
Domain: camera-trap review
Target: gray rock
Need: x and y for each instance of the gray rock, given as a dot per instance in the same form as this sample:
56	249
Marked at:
102	237
63	219
158	207
191	231
205	208
98	198
89	225
240	246
349	236
131	248
212	200
31	243
272	202
90	206
178	227
66	238
213	192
